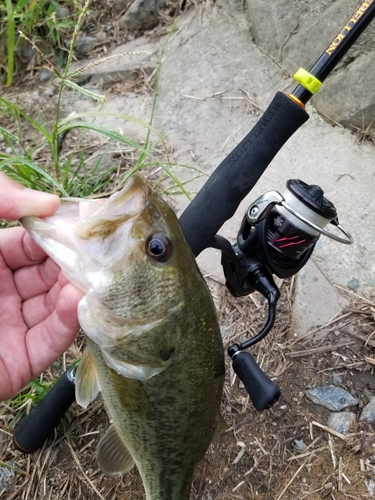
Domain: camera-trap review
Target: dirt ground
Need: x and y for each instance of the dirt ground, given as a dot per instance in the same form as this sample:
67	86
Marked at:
256	457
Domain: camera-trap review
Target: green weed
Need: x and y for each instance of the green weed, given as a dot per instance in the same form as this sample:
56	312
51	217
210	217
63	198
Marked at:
69	175
37	19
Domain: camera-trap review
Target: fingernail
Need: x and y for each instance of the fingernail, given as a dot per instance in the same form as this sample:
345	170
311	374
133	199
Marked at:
38	203
40	194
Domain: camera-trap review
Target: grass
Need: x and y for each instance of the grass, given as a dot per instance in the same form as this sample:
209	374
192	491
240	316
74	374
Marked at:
38	163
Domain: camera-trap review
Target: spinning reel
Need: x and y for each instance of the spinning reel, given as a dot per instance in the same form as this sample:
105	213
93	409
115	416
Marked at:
277	236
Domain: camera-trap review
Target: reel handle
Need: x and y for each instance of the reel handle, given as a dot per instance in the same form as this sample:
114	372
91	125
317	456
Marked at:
262	391
34	429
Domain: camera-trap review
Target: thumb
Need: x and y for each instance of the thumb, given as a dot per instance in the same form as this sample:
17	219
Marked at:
16	201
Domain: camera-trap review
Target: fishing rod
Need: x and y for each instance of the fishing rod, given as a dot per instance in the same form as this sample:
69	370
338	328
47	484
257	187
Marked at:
277	235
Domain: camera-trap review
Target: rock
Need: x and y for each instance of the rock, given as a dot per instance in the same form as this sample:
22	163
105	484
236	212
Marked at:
62	11
45	75
301	32
122	68
142	15
337	379
6	477
49	92
315	302
353	284
326	490
299	444
25	51
85	44
331	397
119	6
368	412
341	421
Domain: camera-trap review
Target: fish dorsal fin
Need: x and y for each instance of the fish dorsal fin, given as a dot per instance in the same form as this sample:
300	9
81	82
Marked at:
112	455
86	380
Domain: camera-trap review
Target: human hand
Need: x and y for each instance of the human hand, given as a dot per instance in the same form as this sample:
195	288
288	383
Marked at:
38	306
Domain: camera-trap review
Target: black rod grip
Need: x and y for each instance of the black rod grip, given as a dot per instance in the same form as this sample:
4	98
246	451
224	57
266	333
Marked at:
34	429
237	174
262	391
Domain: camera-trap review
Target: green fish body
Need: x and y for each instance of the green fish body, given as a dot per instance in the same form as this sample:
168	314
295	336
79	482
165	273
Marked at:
154	348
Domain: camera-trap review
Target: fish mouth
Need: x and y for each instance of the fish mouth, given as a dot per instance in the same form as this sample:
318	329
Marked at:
83	230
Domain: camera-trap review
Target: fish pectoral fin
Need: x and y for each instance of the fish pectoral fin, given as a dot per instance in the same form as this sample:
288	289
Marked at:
132	364
112	455
86	380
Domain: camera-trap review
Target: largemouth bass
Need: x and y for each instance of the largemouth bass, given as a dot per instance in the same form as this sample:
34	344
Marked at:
154	348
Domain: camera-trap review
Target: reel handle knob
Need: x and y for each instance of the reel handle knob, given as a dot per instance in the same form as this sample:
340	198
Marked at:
33	430
262	391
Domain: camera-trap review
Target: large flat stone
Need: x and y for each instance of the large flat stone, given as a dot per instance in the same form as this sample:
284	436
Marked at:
315	302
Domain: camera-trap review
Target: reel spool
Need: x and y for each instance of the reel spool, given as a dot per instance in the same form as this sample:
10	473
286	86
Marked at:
282	229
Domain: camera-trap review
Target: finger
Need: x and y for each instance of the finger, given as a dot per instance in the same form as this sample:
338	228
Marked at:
36	309
50	339
18	249
32	281
18	201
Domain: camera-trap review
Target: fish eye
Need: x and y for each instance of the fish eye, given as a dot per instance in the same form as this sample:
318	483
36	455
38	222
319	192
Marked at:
159	247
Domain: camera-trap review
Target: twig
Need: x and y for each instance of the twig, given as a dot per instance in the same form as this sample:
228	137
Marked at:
203	475
332	452
291	32
293	478
331	431
238	485
316	350
307	454
333	320
370	361
239	424
265	452
340	475
91	484
364	338
256	463
356	295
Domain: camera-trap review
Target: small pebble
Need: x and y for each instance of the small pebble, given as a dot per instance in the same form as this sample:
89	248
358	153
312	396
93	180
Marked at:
341	421
353	284
299	444
331	397
368	412
62	11
337	379
45	75
6	478
85	44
